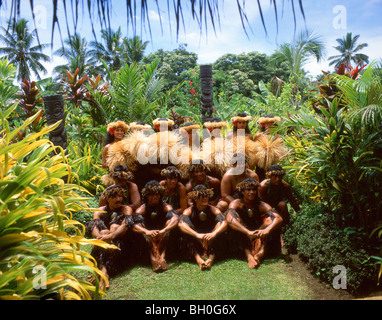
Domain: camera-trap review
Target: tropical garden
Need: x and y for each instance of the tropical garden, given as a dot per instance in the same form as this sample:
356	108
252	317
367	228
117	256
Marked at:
332	126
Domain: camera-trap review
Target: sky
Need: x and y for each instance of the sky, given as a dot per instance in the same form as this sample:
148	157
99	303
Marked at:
329	18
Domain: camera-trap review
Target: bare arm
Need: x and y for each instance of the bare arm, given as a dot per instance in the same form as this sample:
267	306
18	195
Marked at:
121	230
275	222
184	227
138	227
172	222
291	198
188	187
182	199
233	222
104	156
97	215
214	184
263	190
135	197
220	226
226	189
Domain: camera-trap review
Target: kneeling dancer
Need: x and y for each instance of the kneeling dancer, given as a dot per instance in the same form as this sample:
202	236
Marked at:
202	222
154	219
110	223
253	219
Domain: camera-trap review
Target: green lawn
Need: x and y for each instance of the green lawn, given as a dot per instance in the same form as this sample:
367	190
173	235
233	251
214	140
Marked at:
227	280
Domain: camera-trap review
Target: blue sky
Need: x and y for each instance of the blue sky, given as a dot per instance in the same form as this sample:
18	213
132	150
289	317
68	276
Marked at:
331	19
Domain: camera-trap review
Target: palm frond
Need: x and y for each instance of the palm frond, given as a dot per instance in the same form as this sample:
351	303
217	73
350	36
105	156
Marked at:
201	11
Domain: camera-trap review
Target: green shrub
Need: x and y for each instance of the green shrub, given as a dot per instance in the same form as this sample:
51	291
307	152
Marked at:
315	235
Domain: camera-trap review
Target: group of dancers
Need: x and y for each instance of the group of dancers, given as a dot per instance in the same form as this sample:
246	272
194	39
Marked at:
192	209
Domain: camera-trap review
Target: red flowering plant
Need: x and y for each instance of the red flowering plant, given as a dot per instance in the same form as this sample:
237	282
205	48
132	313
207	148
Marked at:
194	94
328	89
31	101
73	87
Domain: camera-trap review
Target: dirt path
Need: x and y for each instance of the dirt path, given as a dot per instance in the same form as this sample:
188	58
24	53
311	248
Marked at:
322	291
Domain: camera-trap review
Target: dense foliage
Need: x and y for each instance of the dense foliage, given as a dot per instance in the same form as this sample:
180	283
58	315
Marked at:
332	128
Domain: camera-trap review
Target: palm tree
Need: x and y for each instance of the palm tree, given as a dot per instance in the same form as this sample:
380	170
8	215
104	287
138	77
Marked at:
20	51
133	49
349	51
76	53
110	52
300	51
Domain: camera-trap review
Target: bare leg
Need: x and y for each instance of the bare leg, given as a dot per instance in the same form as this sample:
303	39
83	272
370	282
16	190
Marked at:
163	261
210	261
255	254
102	284
282	208
155	256
260	253
201	263
252	263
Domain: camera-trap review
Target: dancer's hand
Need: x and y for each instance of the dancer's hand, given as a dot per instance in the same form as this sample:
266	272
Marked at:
208	236
106	237
152	233
261	233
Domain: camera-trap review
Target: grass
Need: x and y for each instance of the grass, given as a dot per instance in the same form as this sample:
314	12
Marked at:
227	280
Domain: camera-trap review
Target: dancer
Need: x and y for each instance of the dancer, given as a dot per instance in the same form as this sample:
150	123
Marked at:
115	132
174	190
233	176
198	175
240	121
120	176
202	223
110	223
254	220
275	191
155	219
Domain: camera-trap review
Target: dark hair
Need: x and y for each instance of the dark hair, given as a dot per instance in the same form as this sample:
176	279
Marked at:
151	187
248	182
172	172
108	139
120	167
112	191
242	114
198	191
275	167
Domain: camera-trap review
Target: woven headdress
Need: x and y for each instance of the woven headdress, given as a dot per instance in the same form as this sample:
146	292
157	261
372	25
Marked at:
268	119
275	170
113	191
248	182
190	126
152	187
241	117
197	165
171	171
158	121
119	172
215	124
117	124
200	191
139	126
